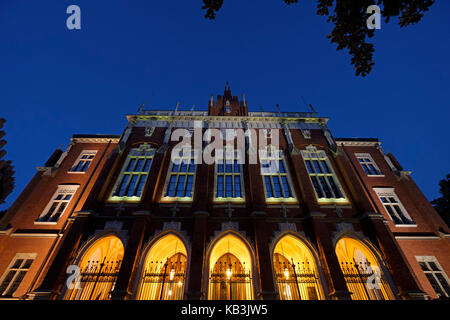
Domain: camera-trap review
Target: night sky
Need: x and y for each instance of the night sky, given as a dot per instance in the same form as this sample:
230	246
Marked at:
56	82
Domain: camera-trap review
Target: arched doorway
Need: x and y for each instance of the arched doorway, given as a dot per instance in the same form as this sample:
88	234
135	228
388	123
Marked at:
99	267
164	270
230	270
364	277
296	270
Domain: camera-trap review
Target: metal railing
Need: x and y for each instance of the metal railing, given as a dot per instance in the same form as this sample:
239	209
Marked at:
297	281
97	280
366	282
163	281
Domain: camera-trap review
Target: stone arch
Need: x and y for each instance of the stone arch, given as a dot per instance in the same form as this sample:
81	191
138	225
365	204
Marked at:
234	244
99	261
163	268
297	268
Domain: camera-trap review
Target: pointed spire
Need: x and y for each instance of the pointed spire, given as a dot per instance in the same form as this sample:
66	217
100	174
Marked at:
227	93
141	108
278	108
211	101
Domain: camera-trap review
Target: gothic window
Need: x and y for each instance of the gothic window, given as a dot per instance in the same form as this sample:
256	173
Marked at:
435	275
362	273
229	177
323	178
275	174
230	276
296	271
56	207
13	276
368	164
132	178
164	271
180	179
393	206
84	160
99	268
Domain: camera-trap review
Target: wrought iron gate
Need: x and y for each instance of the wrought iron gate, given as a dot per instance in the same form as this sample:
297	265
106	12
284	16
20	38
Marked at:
297	282
97	280
163	281
366	282
230	286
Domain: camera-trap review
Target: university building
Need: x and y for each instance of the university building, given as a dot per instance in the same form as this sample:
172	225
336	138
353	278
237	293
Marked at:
116	217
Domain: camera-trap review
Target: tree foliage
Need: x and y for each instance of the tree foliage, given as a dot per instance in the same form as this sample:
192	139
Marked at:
349	18
6	169
442	204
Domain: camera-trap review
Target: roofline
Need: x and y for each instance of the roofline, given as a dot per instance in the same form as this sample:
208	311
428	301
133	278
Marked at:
95	138
362	142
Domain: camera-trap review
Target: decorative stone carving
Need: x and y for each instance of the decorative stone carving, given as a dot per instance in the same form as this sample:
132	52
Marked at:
306	134
346	228
172	225
113	224
149	131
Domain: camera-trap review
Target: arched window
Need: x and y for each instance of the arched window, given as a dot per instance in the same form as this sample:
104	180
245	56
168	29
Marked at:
296	270
99	268
362	272
230	265
164	270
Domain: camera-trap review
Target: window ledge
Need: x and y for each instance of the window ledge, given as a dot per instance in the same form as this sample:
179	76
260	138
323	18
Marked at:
225	200
76	172
405	225
176	199
280	200
325	201
376	175
124	199
51	223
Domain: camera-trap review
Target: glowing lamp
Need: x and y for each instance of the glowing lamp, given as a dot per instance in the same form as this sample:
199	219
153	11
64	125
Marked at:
286	273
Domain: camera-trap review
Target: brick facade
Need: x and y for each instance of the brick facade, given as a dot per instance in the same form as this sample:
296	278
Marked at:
199	223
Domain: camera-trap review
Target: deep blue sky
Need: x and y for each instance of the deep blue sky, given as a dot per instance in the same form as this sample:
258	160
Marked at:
55	82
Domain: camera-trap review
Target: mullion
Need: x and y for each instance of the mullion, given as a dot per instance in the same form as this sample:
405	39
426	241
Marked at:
329	185
319	184
272	186
133	191
283	192
185	182
127	185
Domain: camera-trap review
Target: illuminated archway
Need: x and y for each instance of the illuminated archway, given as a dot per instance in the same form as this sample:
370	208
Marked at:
364	277
296	270
230	270
164	270
99	267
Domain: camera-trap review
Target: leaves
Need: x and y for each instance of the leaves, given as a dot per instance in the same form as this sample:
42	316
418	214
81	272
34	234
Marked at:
442	204
350	23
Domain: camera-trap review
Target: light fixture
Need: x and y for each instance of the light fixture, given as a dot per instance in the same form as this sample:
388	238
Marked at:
229	273
286	273
172	274
180	283
170	292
